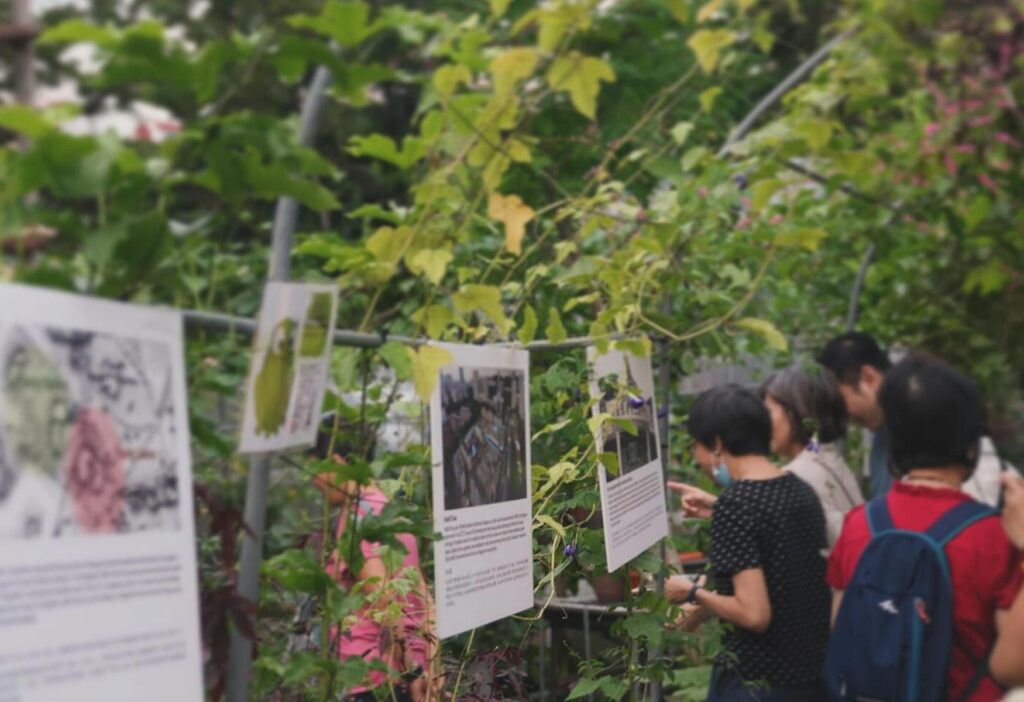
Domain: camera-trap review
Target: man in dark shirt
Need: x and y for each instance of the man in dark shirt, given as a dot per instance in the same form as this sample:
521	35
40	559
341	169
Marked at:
859	364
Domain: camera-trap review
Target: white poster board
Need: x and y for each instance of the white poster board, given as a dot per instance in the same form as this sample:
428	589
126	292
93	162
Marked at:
290	364
98	579
480	441
632	502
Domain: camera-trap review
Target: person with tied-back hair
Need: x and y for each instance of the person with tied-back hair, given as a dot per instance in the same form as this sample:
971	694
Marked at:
767	535
808	418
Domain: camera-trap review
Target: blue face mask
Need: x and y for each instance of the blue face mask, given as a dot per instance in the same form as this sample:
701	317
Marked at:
720	473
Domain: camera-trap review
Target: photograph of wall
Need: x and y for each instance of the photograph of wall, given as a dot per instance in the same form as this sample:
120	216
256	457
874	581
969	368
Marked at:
484	435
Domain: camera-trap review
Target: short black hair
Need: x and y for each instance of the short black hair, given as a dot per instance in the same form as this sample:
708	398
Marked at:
934	414
812	403
734	414
847	353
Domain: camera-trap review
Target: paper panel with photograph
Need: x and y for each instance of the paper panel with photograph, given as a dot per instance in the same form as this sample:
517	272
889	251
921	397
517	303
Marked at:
480	434
97	547
289	368
633	493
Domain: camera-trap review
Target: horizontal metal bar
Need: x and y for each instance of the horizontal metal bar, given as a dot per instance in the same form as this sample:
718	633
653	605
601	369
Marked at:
230	324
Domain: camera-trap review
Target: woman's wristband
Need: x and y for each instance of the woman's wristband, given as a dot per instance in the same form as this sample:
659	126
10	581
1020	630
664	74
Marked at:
692	596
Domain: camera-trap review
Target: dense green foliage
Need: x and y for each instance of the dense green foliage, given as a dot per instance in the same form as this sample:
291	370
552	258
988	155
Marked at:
519	171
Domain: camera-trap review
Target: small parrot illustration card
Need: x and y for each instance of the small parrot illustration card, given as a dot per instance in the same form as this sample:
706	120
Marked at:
289	368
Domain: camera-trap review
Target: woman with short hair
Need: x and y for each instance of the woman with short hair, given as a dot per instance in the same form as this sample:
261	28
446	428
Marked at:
808	417
767	534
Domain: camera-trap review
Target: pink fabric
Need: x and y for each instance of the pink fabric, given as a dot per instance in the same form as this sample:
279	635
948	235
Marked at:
367	639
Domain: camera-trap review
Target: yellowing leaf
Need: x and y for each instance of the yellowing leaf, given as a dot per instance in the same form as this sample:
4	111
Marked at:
766	330
555	330
548	520
581	77
763	39
640	346
681	132
512	66
680	9
708	97
485	298
448	78
388	245
518	151
708	11
762	191
435	319
427	362
431	263
511	211
816	132
556	21
707	44
807	237
528	329
500	7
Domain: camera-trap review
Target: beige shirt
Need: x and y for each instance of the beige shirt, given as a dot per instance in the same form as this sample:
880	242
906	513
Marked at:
984	484
830	478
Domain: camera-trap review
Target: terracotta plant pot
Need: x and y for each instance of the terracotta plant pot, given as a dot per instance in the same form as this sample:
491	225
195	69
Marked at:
609	588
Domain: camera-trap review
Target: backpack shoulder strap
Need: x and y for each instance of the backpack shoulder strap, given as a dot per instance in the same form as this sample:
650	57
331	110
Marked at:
958	518
879	518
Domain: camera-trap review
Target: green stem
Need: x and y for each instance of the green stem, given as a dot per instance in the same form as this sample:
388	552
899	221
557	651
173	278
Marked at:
462	665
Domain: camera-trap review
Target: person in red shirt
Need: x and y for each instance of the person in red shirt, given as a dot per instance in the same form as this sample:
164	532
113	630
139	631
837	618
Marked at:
935	419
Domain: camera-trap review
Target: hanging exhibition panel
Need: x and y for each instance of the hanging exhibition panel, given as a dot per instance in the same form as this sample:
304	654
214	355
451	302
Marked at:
289	368
480	442
98	586
633	491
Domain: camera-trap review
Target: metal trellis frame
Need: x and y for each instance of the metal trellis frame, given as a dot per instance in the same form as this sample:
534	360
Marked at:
240	663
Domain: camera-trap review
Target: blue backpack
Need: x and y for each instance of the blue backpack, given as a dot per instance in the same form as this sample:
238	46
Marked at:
893	637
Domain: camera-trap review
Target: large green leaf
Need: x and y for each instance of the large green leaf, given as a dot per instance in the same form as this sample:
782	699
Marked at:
347	23
384	148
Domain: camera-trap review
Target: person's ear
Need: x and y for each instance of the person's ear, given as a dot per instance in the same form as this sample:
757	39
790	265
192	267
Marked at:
719	447
870	379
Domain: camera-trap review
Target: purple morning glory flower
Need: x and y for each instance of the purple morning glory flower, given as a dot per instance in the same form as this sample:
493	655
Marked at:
636	402
571	550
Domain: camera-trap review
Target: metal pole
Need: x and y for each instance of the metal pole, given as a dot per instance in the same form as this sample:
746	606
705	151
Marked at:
769	101
240	660
665	393
858	285
588	651
24	61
